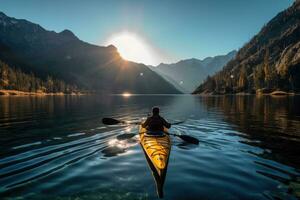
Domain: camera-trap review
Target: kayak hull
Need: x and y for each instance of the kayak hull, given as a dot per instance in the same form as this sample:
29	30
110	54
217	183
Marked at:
157	149
159	179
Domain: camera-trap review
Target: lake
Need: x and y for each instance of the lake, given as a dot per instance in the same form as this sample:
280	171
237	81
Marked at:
56	147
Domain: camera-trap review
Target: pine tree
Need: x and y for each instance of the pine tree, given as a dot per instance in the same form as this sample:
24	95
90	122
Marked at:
4	75
291	82
15	79
243	81
259	77
267	69
49	84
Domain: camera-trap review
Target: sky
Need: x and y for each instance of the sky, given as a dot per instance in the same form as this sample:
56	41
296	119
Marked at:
168	30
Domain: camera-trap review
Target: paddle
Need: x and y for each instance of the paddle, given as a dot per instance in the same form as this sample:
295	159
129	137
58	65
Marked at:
185	138
111	121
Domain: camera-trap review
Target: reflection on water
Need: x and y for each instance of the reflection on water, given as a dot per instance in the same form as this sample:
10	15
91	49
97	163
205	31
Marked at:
270	123
57	148
117	146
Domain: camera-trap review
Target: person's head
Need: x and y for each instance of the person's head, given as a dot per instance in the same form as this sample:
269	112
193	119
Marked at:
155	110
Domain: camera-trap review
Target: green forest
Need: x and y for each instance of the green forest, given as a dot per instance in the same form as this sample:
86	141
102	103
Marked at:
14	79
263	77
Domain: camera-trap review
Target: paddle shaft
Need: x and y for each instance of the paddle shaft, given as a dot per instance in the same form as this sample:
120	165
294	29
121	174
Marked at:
187	138
112	121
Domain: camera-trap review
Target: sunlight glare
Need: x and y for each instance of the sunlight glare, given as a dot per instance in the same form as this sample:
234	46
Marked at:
126	94
112	142
128	129
132	47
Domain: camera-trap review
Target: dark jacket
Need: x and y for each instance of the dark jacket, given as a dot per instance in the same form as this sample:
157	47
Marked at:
155	123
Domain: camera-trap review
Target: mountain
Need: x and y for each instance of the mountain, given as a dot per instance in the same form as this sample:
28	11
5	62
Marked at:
187	74
270	61
63	56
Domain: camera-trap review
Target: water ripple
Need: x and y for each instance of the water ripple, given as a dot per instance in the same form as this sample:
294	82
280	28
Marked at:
242	154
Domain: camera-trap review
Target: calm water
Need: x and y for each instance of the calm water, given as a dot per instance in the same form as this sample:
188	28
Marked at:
57	148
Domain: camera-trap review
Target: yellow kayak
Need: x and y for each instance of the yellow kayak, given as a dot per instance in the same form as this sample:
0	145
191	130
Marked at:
157	148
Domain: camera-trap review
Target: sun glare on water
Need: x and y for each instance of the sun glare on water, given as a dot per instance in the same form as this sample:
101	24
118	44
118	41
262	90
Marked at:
126	94
132	47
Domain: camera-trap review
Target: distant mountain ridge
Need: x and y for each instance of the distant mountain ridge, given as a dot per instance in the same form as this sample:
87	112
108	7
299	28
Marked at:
187	74
270	61
63	56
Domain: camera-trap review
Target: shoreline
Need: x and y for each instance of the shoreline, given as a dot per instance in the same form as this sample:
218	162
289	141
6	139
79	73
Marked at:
276	93
23	93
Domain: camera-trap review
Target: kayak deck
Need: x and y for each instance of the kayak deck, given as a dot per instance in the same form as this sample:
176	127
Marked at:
157	148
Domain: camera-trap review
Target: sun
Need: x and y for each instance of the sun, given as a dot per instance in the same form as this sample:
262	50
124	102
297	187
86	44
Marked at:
132	47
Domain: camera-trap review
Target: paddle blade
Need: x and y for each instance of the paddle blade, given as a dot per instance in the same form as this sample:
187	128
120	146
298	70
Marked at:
110	121
175	123
189	139
125	136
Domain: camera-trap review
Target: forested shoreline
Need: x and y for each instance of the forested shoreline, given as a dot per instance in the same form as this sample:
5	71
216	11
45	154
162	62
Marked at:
12	78
262	79
268	63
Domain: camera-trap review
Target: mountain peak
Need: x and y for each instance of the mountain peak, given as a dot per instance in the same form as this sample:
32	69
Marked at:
187	74
2	15
112	47
232	52
67	33
192	59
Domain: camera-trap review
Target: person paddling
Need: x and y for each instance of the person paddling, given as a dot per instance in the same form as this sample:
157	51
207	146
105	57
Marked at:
155	124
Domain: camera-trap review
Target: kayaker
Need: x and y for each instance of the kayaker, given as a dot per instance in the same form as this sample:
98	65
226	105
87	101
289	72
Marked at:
155	124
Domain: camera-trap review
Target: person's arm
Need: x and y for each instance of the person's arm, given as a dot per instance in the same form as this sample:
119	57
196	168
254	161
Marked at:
166	124
146	123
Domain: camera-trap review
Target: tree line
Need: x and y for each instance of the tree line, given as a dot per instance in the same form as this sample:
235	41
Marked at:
14	79
263	76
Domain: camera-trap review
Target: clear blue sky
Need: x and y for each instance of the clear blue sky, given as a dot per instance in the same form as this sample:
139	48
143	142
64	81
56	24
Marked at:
183	29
